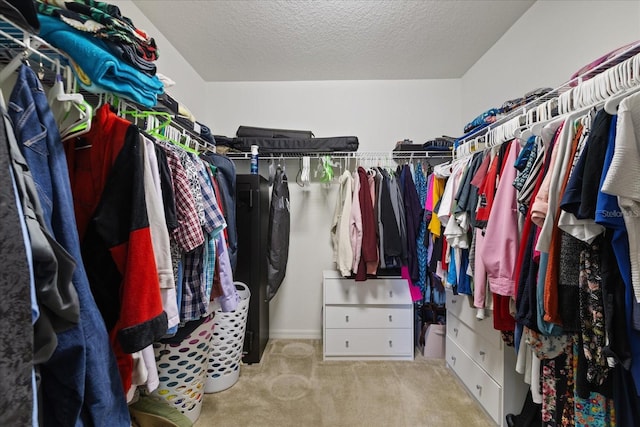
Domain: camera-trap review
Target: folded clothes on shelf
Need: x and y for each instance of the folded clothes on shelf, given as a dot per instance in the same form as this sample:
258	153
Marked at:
488	117
96	68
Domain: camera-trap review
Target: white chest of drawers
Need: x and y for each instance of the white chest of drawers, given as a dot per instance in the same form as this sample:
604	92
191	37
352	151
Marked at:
476	354
371	320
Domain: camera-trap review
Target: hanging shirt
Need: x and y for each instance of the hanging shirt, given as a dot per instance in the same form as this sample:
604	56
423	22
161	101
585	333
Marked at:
579	200
388	204
159	234
540	204
342	250
621	180
421	249
413	216
355	224
438	190
117	247
369	258
188	235
500	248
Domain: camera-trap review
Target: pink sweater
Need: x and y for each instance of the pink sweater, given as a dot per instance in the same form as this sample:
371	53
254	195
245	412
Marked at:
500	247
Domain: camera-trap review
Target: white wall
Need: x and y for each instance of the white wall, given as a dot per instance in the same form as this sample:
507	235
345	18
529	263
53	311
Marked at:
379	113
189	85
551	41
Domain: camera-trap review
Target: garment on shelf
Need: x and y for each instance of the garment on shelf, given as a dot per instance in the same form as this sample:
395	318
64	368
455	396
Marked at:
97	69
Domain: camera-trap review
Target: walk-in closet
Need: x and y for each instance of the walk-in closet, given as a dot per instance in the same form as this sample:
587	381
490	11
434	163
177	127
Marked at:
273	213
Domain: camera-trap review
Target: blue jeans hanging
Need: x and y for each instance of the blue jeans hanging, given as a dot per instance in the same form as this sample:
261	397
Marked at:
80	382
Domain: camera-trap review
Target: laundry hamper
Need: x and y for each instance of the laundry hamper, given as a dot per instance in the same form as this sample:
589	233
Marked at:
182	370
226	347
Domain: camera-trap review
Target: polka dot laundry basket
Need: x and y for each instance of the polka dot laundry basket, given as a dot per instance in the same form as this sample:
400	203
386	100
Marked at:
182	370
228	340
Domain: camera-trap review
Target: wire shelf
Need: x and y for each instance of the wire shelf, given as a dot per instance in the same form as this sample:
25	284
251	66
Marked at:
622	55
359	155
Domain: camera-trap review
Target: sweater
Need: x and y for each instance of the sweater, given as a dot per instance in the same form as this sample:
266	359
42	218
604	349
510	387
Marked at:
500	248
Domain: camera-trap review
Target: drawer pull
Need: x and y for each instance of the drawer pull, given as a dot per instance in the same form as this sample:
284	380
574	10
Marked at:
390	318
482	353
453	301
346	318
455	331
390	294
390	343
453	359
346	344
479	388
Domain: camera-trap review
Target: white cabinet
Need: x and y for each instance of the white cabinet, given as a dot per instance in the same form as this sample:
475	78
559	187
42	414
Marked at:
371	320
477	355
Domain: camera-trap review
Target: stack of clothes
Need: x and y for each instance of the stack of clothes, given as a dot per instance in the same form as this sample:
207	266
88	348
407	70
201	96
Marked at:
109	54
440	144
494	114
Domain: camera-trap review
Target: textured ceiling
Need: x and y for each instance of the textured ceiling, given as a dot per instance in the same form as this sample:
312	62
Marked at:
332	39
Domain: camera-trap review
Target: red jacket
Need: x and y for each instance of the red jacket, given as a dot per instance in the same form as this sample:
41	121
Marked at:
108	191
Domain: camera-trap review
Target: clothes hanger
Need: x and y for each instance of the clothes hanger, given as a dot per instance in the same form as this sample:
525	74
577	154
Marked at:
628	80
161	129
70	110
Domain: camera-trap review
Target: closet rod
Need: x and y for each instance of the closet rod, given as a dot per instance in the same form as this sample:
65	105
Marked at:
621	56
361	155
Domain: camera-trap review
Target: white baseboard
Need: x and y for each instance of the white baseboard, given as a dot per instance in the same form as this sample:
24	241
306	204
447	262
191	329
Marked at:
306	334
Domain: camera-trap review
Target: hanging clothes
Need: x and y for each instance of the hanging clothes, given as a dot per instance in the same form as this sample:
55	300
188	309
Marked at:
421	249
117	246
342	250
413	217
81	376
278	233
17	285
368	260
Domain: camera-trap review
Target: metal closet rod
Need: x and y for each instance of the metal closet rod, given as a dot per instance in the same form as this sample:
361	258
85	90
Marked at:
361	155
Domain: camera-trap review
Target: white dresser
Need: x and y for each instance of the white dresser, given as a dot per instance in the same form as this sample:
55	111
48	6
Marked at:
371	320
476	353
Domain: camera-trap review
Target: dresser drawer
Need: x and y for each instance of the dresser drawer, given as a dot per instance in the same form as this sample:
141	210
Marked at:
377	292
368	342
460	306
368	317
476	380
481	350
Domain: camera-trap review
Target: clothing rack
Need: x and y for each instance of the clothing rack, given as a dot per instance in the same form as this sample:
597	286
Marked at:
588	88
18	45
358	155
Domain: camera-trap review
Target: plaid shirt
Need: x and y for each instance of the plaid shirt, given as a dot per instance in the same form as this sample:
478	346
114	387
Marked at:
194	301
214	220
188	235
194	182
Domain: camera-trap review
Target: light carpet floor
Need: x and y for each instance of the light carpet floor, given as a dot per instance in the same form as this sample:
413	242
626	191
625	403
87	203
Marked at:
293	386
